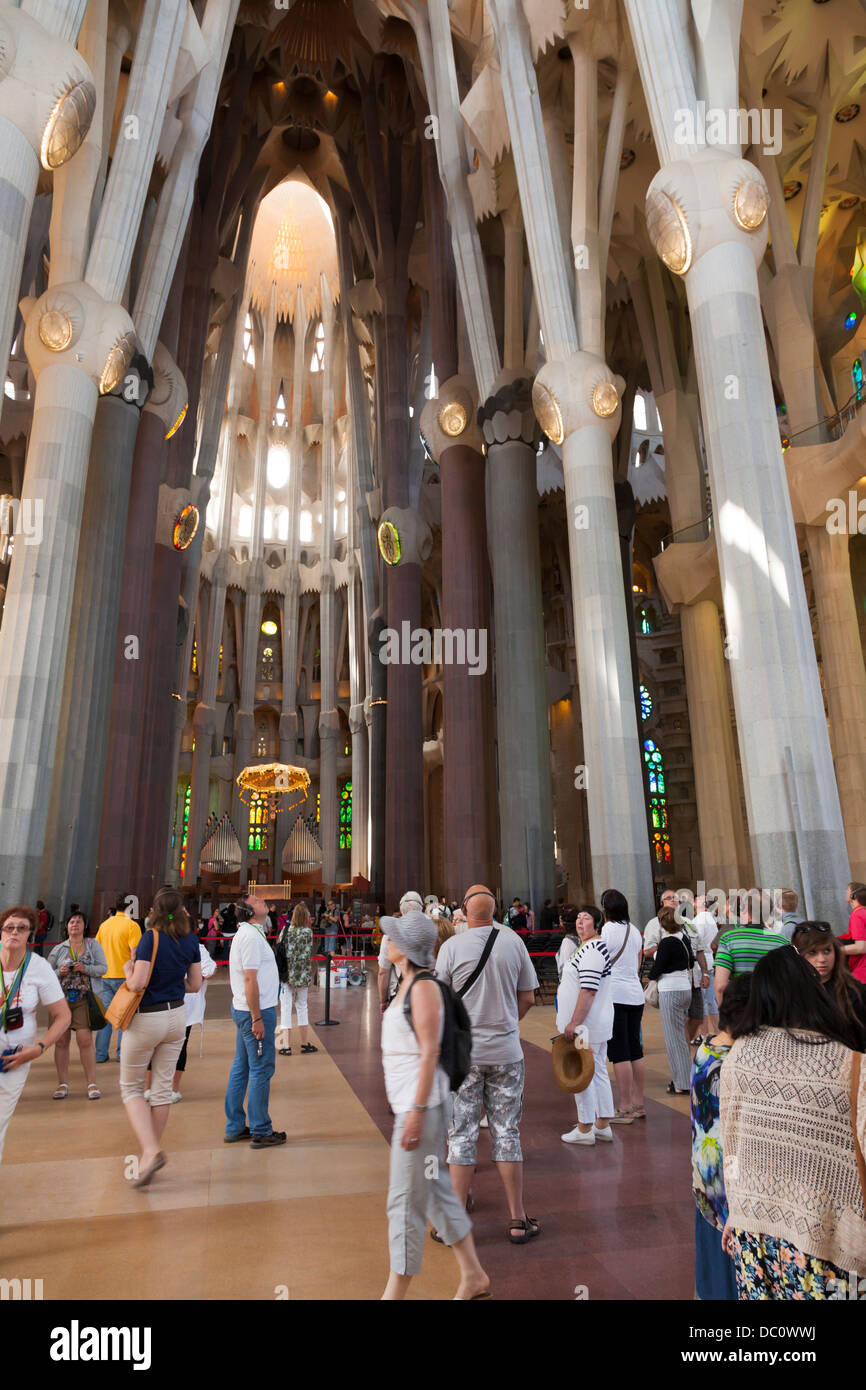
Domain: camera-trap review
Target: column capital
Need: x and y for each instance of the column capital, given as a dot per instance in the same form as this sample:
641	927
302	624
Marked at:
169	398
72	325
449	418
329	724
576	393
35	67
358	718
507	417
709	200
204	720
404	537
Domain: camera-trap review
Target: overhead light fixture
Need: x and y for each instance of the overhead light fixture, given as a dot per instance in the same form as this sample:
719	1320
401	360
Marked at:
605	399
669	231
751	204
452	419
548	412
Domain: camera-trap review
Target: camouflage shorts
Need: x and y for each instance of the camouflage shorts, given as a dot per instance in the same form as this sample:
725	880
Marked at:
498	1091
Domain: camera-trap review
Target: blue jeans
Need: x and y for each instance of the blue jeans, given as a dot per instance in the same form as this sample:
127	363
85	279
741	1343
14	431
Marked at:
107	988
250	1070
331	944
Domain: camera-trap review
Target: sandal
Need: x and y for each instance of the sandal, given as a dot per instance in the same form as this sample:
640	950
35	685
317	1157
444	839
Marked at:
622	1117
93	1092
638	1114
529	1227
62	1092
308	1047
672	1090
434	1235
286	1051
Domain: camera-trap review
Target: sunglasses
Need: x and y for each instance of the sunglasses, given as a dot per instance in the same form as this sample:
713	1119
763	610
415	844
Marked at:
813	926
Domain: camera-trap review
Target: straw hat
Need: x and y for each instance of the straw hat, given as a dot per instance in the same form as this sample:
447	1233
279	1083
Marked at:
573	1067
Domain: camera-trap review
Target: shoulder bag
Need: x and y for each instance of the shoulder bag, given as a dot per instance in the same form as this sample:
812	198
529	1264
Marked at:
614	959
124	1006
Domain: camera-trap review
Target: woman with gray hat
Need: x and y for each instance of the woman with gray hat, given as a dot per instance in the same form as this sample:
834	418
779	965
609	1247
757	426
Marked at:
418	1090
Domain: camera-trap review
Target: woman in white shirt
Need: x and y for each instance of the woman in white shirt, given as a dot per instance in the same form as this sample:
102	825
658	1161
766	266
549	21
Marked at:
584	999
418	1090
26	980
625	1049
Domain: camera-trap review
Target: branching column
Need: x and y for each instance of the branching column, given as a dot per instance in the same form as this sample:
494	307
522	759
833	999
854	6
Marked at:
577	401
706	215
329	720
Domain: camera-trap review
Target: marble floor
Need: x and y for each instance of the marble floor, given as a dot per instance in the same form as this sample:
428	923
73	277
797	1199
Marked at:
307	1221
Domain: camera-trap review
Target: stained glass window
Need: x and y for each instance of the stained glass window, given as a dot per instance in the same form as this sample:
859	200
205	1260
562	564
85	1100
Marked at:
267	663
346	817
258	837
658	804
646	703
195	658
186	799
857	378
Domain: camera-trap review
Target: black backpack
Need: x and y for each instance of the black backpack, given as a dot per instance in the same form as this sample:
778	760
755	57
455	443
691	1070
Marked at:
281	957
455	1057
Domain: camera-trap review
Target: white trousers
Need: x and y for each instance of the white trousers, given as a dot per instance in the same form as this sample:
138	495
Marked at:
597	1099
11	1086
286	993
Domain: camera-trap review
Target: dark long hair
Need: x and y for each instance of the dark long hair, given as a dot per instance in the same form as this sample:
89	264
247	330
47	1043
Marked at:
786	993
168	914
614	906
840	982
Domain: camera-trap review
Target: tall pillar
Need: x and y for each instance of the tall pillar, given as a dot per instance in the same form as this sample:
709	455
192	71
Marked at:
245	720
75	811
577	401
39	65
449	426
525	794
329	721
707	218
844	681
129	682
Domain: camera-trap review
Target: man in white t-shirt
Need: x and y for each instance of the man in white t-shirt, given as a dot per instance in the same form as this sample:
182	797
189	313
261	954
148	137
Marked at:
652	931
255	984
389	980
703	930
495	1001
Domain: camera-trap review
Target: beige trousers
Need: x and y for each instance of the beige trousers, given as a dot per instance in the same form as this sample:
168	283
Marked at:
158	1035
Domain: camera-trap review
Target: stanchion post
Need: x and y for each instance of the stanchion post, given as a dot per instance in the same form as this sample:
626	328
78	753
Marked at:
327	1021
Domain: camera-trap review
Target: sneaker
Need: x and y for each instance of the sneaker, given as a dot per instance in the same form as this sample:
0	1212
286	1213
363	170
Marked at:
237	1138
269	1141
175	1097
605	1135
574	1136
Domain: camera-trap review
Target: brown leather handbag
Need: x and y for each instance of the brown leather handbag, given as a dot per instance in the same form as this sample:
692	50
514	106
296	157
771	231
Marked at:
124	1006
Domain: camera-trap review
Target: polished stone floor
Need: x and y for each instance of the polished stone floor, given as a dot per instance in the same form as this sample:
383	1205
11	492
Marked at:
307	1221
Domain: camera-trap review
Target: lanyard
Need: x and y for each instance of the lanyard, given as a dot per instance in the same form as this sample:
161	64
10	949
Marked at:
72	951
16	985
257	928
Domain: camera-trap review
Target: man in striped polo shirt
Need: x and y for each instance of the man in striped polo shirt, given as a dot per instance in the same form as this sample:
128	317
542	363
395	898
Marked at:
744	943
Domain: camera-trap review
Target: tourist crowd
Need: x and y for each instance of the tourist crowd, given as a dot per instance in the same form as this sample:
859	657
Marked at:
763	1016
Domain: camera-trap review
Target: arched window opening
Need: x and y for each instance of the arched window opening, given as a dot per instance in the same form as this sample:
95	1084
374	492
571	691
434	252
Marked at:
318	356
259	823
249	350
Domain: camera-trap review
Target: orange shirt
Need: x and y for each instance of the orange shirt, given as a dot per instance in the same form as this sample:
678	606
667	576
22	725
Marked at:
118	936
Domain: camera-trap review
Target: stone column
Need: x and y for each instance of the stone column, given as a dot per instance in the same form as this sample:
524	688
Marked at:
525	795
576	399
329	722
204	718
34	636
39	65
448	424
844	681
254	587
706	215
129	684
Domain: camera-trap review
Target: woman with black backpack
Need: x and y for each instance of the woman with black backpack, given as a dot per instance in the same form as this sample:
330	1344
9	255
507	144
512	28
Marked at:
294	953
418	1088
673	967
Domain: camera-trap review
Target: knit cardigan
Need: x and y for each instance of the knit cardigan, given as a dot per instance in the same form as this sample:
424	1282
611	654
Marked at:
790	1165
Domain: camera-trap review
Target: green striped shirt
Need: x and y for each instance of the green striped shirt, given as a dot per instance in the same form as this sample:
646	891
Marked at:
743	946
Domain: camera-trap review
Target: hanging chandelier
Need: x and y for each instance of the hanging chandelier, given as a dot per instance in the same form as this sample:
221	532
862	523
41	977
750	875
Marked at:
276	782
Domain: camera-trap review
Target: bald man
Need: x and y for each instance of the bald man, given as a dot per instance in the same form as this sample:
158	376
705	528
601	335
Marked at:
496	1000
